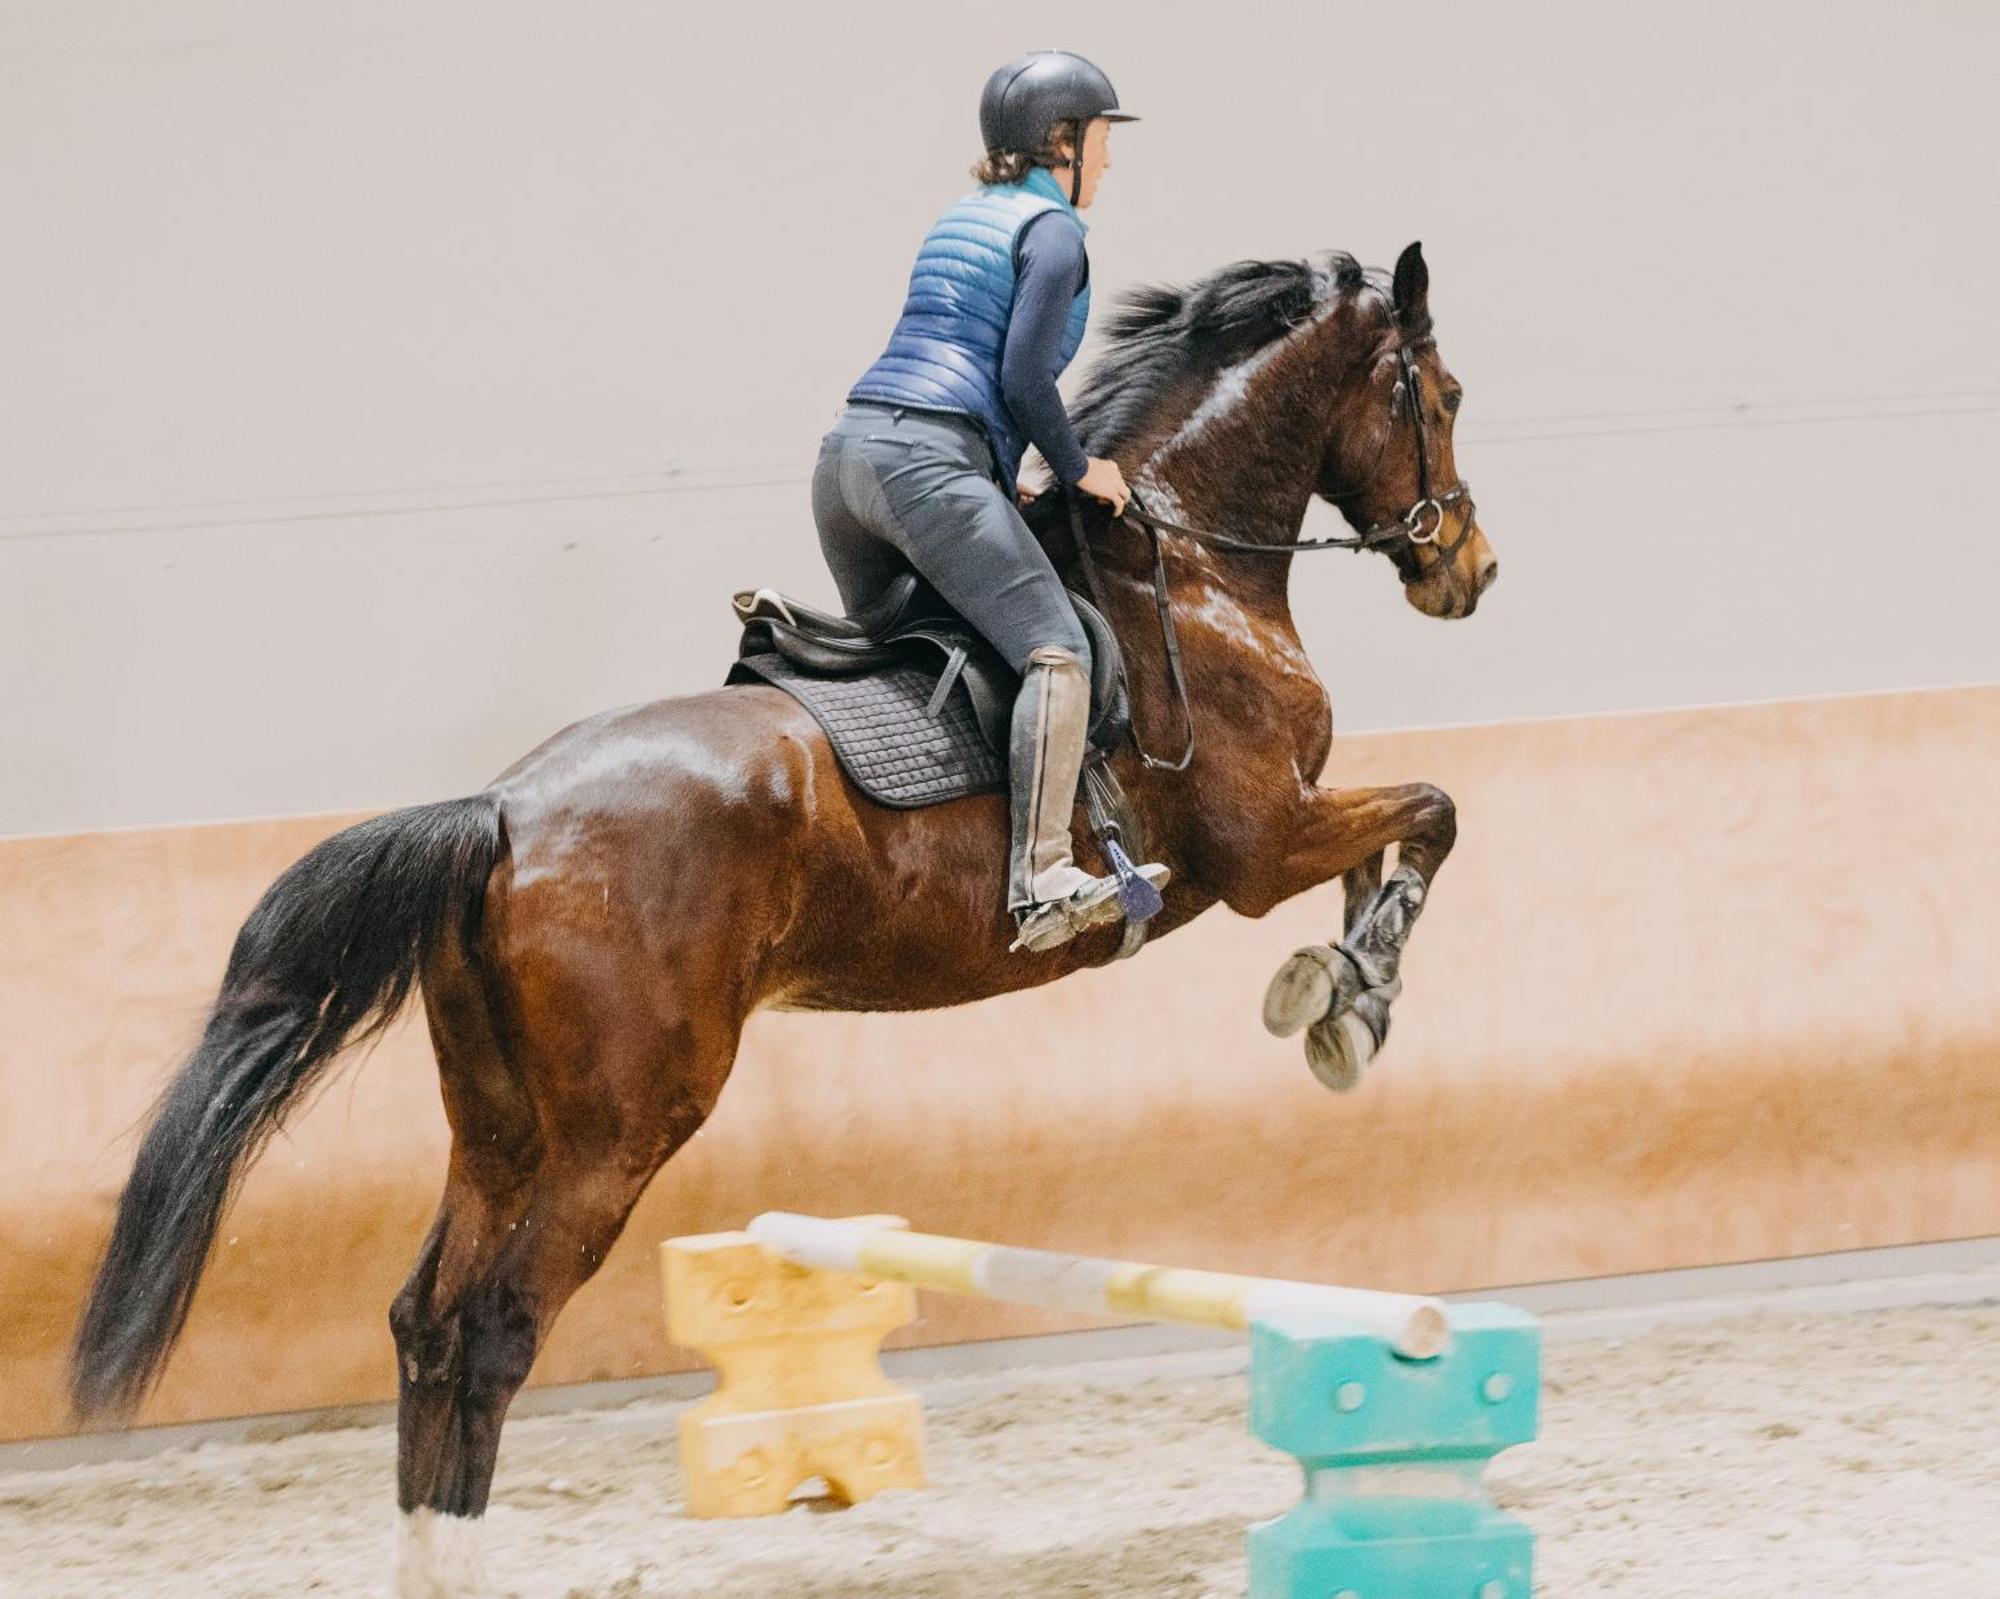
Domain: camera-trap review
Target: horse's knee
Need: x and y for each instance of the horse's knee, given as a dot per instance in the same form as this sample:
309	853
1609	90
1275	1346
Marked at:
1440	816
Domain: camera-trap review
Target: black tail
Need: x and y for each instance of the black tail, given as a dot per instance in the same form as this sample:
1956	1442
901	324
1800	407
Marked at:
326	959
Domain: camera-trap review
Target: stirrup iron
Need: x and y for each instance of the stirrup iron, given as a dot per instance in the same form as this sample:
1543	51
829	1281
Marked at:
1142	901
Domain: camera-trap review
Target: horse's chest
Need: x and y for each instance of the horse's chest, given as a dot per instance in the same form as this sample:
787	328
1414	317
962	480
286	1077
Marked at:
1299	715
1308	723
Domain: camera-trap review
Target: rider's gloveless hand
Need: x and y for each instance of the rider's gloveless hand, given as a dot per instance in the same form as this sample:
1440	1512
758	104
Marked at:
1103	479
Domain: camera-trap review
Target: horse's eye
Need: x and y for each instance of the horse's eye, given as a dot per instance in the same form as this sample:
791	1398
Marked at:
1451	400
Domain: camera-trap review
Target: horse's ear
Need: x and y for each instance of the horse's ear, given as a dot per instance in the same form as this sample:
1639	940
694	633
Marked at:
1412	291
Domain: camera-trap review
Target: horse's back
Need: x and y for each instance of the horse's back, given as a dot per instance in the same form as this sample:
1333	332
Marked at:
746	746
723	819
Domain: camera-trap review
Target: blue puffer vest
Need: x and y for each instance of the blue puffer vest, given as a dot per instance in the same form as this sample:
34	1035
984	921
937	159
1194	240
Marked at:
944	354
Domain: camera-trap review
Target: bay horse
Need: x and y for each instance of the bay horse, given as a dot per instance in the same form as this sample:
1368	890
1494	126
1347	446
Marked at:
591	930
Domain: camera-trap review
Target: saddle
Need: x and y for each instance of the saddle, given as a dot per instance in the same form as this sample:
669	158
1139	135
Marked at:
918	705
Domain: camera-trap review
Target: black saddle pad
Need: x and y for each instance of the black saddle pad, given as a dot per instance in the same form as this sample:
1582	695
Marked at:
883	732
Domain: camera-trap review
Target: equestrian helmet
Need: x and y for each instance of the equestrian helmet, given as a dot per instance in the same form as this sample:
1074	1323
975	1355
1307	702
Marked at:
1023	99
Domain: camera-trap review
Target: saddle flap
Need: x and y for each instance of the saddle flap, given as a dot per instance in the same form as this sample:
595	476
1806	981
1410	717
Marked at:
1110	704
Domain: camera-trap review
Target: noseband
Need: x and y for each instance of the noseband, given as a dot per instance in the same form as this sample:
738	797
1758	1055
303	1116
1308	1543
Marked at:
1402	536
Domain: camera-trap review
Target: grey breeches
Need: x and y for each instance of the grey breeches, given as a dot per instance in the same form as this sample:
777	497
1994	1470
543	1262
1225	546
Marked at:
897	488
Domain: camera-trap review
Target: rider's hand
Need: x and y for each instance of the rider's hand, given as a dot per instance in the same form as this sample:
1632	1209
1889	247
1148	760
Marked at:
1103	480
1024	496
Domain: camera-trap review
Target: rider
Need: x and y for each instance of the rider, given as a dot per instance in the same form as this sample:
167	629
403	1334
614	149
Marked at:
920	468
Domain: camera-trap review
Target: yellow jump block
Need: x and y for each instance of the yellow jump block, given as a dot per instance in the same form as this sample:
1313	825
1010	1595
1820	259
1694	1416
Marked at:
800	1392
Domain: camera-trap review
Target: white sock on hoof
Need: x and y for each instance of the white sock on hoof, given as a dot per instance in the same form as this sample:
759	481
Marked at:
437	1556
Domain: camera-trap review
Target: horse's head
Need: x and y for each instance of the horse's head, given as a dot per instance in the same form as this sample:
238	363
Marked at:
1230	402
1388	463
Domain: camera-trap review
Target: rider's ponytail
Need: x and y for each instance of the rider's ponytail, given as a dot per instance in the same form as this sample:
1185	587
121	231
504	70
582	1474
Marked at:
1011	166
1003	166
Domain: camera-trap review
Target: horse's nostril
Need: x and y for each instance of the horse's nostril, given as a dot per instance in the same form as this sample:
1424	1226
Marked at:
1489	569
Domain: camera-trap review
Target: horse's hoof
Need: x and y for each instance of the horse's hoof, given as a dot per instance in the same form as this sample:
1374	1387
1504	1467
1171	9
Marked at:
1338	1047
1318	982
1301	993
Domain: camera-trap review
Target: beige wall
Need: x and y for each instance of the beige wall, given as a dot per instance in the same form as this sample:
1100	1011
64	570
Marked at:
1697	987
384	385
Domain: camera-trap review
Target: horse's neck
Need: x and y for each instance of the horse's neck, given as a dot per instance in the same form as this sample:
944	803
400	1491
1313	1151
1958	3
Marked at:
1244	461
1247	473
1183	487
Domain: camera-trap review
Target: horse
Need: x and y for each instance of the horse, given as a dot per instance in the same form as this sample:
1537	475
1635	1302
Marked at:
591	930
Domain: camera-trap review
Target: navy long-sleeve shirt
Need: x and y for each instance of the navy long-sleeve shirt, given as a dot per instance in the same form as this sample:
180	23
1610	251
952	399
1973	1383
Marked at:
1050	273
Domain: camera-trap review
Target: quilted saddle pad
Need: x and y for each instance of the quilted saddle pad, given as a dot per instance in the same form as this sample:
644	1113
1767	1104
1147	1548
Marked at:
887	740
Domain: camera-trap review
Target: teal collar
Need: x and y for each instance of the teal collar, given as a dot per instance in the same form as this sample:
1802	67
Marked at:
1039	180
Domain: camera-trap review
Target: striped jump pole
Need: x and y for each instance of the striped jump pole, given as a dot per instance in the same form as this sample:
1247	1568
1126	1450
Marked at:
1413	1327
1391	1403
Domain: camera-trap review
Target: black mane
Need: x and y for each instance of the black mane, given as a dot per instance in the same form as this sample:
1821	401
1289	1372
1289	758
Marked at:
1162	334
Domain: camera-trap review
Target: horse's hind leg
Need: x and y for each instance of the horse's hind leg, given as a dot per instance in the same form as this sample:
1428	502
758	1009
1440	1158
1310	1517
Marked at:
441	1486
468	1328
467	1346
546	1166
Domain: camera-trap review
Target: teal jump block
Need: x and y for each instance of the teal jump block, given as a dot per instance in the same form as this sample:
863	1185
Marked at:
1393	1451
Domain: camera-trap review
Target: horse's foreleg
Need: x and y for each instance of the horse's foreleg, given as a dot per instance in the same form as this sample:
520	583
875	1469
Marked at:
1341	992
1359	884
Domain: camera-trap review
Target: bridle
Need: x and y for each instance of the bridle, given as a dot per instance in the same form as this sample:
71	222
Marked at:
1420	525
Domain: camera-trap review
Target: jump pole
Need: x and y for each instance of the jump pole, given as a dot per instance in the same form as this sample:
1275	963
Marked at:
1392	1404
1413	1327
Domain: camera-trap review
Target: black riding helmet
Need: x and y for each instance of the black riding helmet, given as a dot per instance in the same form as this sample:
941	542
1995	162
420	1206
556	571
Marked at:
1025	97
